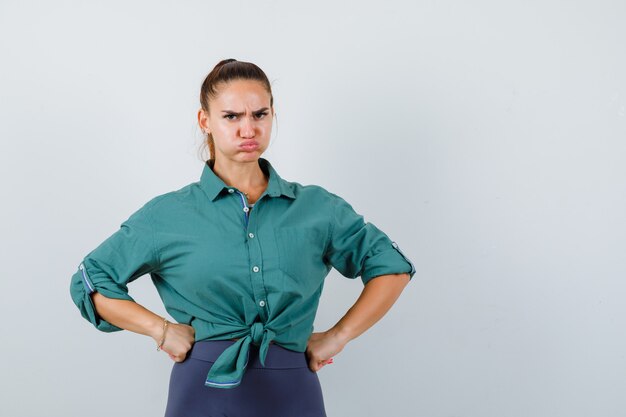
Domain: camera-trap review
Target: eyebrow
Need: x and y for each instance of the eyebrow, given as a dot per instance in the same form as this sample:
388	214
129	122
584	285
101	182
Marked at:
241	114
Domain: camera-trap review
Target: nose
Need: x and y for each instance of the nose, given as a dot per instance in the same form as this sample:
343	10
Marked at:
247	128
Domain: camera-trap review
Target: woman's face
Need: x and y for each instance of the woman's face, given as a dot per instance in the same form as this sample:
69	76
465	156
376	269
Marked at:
240	120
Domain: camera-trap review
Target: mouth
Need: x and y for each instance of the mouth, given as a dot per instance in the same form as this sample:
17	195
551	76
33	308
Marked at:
249	145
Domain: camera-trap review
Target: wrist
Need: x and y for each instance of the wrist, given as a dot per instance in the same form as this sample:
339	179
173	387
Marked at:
156	328
341	333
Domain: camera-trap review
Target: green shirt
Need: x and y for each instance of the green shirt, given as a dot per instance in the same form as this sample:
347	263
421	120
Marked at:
230	271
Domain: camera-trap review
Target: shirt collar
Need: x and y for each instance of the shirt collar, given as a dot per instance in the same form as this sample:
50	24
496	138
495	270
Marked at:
214	185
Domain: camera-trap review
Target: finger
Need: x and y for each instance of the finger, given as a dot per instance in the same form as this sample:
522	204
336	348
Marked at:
313	365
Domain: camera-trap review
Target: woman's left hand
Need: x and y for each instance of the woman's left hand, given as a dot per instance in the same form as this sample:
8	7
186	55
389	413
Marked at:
321	348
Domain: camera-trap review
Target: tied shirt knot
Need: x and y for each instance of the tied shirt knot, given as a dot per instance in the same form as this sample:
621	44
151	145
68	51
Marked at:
229	367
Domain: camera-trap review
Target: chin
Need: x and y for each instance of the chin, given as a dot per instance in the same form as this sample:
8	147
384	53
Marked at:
250	156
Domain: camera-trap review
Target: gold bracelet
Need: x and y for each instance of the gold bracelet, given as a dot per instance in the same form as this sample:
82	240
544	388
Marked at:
165	322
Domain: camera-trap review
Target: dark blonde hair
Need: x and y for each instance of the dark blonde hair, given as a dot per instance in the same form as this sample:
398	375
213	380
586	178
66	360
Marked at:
225	71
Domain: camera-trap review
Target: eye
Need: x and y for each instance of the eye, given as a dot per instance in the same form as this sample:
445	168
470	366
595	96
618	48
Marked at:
260	115
229	115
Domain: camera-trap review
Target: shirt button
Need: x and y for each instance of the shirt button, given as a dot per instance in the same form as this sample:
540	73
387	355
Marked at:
262	303
230	190
251	235
246	209
255	268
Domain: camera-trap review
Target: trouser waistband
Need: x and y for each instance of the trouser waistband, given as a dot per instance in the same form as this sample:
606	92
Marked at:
277	356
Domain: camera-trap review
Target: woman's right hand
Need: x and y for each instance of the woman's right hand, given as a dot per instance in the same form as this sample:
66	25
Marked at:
179	338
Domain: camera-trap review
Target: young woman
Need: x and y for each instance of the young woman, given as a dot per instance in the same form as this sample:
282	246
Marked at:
239	259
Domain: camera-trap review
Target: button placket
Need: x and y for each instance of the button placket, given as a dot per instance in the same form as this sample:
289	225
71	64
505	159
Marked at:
254	256
244	205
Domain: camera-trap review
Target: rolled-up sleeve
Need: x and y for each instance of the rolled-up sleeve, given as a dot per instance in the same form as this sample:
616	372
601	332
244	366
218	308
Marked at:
358	248
124	256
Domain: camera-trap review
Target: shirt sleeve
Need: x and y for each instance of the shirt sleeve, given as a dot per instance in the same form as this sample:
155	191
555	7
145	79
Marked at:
124	256
359	248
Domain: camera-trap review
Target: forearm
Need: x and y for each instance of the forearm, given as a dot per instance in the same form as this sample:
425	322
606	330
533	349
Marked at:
128	315
377	297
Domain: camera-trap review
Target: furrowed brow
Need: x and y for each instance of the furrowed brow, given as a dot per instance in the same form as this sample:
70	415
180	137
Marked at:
241	114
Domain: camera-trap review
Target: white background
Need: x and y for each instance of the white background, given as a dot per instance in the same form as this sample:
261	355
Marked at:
487	138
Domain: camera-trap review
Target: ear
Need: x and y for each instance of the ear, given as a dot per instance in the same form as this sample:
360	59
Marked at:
203	121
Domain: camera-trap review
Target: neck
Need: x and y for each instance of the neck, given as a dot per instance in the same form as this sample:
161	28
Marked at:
245	176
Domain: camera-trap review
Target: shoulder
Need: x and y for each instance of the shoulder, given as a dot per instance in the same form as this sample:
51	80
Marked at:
320	193
311	192
166	201
321	200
